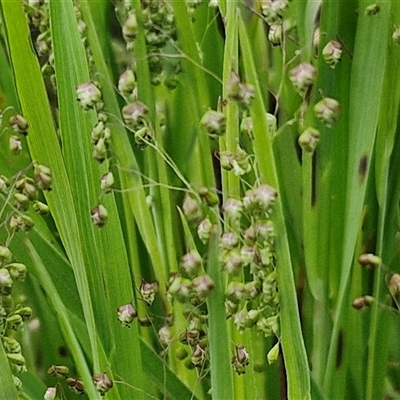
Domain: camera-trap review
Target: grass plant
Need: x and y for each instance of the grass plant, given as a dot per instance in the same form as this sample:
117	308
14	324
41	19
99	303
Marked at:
199	199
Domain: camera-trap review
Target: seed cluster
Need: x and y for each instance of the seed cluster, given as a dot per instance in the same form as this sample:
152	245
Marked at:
20	195
159	28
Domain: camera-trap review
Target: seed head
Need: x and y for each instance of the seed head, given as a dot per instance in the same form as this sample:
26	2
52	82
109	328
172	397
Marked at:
309	139
19	124
42	177
180	288
89	95
126	314
134	114
99	215
100	150
229	240
362	302
51	393
21	202
232	209
199	355
327	111
102	383
15	145
226	158
396	35
127	82
6	282
394	284
235	291
202	285
58	371
191	262
273	10
148	291
107	182
5	255
76	385
191	209
204	229
164	334
11	345
214	122
17	271
369	260
302	77
373	9
242	355
129	29
17	362
332	53
275	34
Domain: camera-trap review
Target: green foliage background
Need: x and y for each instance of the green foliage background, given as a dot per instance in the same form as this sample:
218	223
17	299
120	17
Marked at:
327	213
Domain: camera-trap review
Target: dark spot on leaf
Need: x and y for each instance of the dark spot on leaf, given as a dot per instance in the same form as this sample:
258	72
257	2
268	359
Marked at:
339	352
63	351
362	168
314	180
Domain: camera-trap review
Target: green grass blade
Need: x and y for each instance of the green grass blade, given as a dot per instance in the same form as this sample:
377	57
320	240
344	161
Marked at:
291	337
7	386
221	369
366	85
44	147
104	248
62	316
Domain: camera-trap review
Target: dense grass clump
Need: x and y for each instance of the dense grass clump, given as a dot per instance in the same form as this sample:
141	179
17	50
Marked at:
199	199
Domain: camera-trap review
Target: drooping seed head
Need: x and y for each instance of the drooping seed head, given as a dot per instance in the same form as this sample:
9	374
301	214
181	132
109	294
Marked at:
17	271
275	34
191	262
19	124
369	260
362	302
332	53
99	215
204	230
309	139
51	393
180	288
214	122
148	291
396	35
127	82
5	255
232	209
302	77
11	345
42	177
15	144
129	29
107	182
203	285
327	111
102	383
88	94
242	355
134	114
394	284
6	282
76	385
58	371
17	362
126	314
